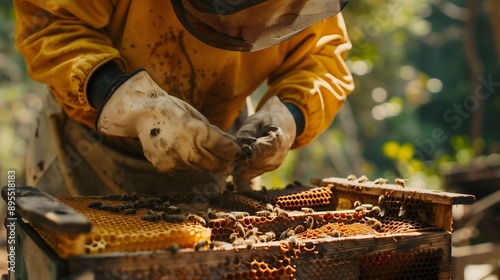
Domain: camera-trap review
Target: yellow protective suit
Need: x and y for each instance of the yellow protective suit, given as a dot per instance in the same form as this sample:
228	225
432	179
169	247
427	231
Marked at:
64	41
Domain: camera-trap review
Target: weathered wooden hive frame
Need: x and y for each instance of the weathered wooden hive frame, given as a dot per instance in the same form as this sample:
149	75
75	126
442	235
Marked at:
413	242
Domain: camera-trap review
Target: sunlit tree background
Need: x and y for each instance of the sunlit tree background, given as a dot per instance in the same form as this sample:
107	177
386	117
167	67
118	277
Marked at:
415	110
414	113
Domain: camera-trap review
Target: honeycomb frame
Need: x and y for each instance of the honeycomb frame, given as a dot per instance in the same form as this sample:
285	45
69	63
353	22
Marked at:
356	244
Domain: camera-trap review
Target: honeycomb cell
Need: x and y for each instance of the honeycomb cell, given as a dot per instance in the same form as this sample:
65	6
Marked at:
112	232
317	198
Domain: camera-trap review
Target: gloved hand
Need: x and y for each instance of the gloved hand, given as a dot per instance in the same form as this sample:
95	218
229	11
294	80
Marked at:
266	137
173	134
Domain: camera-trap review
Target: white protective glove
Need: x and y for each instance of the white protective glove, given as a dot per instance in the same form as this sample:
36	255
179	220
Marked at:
266	138
173	134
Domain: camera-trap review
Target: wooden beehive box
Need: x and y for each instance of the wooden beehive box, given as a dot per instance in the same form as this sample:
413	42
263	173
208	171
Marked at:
336	229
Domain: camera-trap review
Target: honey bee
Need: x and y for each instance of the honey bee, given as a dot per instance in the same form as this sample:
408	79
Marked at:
117	209
309	222
263	213
294	184
287	233
321	235
298	183
174	210
240	215
361	209
269	207
160	208
280	212
299	229
150	204
375	211
239	242
381	200
400	182
363	179
380	181
251	241
106	207
174	248
134	196
268	236
151	218
178	219
263	190
229	217
195	219
239	229
131	211
293	241
95	204
374	223
139	204
402	210
357	203
212	214
125	197
370	221
351	177
252	232
169	218
335	233
307	210
216	245
200	245
155	200
233	236
231	186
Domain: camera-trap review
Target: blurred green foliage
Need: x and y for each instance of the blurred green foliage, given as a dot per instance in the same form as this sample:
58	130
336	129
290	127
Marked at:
410	69
19	99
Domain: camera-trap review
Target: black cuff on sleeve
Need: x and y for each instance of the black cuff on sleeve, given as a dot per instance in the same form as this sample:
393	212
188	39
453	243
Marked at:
300	121
103	83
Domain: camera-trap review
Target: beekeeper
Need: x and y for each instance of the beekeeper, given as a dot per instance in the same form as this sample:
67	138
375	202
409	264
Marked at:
151	96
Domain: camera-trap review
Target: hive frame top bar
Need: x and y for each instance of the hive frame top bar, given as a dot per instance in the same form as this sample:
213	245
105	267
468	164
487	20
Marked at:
433	196
43	209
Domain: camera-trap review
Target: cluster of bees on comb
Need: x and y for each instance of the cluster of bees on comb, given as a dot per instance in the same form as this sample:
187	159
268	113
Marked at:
157	210
263	223
242	236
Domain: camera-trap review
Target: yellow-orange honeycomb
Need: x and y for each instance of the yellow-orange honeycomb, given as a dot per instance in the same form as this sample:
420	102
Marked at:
315	197
338	230
115	232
